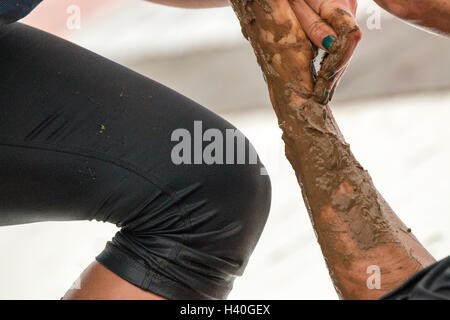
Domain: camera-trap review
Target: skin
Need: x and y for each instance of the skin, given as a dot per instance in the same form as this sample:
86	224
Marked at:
98	283
355	227
399	254
310	14
193	4
430	15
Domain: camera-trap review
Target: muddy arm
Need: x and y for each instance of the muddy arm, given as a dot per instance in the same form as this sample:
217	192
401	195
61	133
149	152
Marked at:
355	227
432	15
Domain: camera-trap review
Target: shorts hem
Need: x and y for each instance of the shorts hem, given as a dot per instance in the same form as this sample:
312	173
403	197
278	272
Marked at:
128	268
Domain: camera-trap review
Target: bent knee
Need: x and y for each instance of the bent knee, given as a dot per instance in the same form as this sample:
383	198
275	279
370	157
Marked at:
249	195
201	227
221	160
252	210
240	198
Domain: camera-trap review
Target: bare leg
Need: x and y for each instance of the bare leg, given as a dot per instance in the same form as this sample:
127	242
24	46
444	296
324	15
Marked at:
98	283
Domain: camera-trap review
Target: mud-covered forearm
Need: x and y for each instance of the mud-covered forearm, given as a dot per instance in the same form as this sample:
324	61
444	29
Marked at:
432	15
354	225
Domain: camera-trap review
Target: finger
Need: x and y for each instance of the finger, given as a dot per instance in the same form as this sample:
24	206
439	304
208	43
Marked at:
350	47
349	35
329	91
347	5
317	30
354	6
338	13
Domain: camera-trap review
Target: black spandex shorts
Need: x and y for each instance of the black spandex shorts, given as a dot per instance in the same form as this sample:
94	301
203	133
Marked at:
83	138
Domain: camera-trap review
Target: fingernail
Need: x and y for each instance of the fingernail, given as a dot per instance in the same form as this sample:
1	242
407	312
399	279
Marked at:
327	93
327	42
331	75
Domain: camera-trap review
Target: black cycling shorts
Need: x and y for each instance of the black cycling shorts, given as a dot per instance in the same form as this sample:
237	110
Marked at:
83	138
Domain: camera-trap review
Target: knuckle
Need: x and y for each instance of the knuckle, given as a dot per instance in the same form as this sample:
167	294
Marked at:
357	35
316	30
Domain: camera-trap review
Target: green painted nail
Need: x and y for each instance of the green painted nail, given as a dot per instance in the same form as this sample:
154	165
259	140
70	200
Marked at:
327	93
331	75
328	41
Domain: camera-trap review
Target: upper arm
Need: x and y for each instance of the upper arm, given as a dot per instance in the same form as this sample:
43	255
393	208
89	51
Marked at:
193	3
432	15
